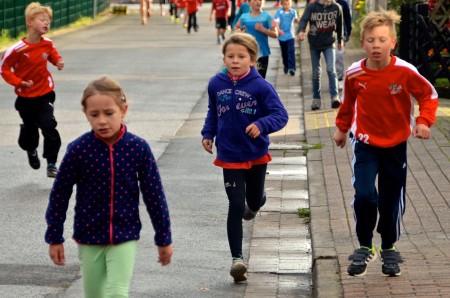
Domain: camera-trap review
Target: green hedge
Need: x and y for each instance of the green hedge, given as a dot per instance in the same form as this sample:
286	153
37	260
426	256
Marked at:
12	12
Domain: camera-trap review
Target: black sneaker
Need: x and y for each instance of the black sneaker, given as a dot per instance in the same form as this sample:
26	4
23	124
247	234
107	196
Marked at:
360	258
335	102
249	214
33	159
390	258
238	270
51	170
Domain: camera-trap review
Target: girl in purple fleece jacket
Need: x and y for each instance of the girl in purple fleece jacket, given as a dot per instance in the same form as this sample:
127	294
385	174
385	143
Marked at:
109	166
243	110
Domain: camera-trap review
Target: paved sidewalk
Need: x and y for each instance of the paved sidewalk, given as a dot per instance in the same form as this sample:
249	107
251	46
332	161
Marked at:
424	244
280	248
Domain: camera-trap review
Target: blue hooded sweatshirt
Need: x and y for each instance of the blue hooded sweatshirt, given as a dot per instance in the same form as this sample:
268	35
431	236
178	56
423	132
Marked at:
233	105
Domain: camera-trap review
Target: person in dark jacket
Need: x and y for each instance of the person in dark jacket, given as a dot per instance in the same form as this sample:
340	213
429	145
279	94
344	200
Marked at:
325	27
243	110
347	17
109	166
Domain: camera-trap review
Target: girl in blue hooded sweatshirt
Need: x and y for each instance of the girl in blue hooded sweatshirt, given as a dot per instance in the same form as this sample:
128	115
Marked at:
243	110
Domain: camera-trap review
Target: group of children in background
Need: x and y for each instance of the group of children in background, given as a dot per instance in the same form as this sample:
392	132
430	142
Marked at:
243	109
186	9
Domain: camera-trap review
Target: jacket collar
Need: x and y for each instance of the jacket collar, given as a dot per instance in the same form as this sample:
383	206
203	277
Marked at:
123	130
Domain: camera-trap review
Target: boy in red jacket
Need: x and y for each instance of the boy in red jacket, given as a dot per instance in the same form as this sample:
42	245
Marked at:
221	8
192	8
24	66
378	111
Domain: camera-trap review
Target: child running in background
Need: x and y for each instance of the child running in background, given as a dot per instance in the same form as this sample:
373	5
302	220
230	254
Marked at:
181	4
145	10
24	66
221	8
243	110
173	11
162	11
285	17
378	111
109	165
243	8
261	25
192	8
325	28
347	17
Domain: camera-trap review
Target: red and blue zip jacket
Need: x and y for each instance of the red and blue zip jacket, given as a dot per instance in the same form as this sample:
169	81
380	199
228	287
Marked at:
109	179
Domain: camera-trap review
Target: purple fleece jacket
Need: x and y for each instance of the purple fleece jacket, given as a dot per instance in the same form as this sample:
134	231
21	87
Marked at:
233	105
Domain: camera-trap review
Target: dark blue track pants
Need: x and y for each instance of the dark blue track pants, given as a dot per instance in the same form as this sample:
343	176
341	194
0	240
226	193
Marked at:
389	164
288	53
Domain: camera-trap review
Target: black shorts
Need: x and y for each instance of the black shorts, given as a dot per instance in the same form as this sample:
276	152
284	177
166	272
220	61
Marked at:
221	23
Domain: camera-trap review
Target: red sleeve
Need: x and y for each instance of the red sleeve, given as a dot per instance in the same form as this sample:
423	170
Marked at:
347	108
54	56
8	60
426	96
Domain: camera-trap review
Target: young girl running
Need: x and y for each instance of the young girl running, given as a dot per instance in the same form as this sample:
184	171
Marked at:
243	110
109	165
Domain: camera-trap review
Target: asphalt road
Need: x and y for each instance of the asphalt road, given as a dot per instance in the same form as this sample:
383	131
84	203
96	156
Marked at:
164	72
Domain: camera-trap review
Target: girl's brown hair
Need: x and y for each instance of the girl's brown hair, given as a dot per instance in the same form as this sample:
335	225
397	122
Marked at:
246	40
107	86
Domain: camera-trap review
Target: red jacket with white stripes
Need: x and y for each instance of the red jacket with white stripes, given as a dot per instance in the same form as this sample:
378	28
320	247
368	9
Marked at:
24	61
377	105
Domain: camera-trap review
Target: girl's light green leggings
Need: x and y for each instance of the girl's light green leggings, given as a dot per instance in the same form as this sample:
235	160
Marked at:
107	269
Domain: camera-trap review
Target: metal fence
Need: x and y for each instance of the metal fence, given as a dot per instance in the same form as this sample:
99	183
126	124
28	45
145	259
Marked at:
12	12
423	43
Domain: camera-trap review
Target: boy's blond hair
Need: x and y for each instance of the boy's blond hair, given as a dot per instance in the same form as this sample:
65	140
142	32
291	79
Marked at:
35	8
380	18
